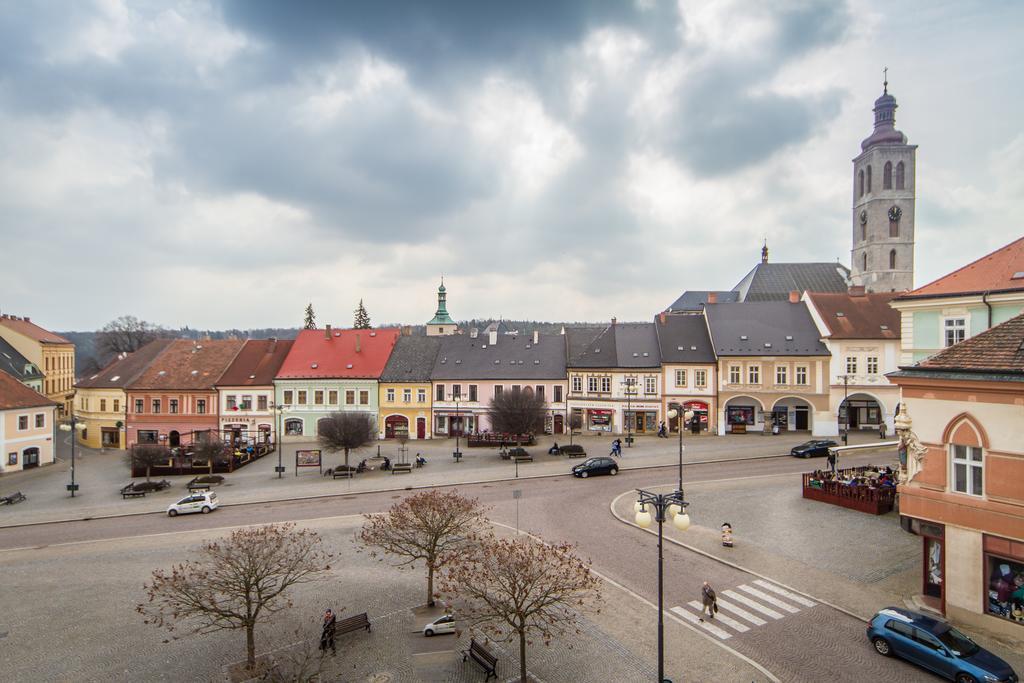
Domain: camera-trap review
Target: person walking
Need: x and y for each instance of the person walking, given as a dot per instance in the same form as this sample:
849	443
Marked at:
708	601
881	431
617	447
327	632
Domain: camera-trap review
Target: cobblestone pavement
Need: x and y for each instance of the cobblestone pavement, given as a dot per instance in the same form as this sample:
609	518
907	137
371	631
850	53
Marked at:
101	474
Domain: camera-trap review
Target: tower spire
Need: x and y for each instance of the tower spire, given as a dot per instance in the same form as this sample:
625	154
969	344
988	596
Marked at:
764	251
885	81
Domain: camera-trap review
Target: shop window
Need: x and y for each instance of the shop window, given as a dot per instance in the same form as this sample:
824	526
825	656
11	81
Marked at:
293	427
739	415
147	436
1004	576
12	458
955	329
968	469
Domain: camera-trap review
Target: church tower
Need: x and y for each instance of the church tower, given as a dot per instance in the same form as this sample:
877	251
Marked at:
882	258
441	324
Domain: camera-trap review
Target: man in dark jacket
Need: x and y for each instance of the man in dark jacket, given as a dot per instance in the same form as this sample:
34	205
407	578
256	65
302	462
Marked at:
708	601
327	634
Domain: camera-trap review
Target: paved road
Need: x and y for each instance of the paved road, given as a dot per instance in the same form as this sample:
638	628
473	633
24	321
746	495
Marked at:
793	640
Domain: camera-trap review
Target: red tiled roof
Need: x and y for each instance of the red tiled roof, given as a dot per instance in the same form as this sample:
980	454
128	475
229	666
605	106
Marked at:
992	273
123	370
336	356
31	330
14	395
999	349
189	365
257	363
866	316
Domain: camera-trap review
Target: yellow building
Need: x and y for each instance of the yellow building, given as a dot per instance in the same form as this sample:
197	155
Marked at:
100	401
405	397
51	353
26	426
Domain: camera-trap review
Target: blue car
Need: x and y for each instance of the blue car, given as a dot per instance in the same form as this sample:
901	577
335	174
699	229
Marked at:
936	646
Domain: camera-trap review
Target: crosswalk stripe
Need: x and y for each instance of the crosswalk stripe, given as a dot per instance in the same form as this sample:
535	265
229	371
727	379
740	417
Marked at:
728	621
756	621
761	595
754	605
694	619
785	593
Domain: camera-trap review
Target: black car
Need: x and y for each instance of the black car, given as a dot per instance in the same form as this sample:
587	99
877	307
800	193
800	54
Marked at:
815	448
596	466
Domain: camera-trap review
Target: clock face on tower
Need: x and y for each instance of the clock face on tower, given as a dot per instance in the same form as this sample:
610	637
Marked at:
863	217
895	213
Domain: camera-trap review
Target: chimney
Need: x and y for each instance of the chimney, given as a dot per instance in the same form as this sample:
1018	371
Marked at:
358	347
327	332
712	297
492	337
536	337
794	297
661	317
27	319
857	290
407	331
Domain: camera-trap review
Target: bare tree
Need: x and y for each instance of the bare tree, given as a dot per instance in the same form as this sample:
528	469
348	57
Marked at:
345	432
433	526
148	456
211	449
236	582
520	588
517	412
575	422
126	334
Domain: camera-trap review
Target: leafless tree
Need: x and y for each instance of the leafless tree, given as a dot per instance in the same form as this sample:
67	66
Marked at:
236	582
517	412
575	422
126	334
211	449
345	432
148	456
519	589
433	526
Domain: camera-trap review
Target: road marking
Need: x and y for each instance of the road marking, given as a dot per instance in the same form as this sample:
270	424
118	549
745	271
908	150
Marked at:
789	594
728	621
755	605
694	619
761	595
756	621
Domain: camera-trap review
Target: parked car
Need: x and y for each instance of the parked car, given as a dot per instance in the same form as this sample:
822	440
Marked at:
935	645
445	624
596	466
814	448
200	501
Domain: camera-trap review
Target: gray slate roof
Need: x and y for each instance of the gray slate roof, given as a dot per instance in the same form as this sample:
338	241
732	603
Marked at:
16	365
684	338
763	322
694	300
774	281
412	359
623	345
514	357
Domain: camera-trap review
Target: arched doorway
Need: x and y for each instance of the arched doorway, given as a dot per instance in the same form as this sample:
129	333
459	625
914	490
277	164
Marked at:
860	411
30	458
741	414
293	427
791	414
173	438
393	423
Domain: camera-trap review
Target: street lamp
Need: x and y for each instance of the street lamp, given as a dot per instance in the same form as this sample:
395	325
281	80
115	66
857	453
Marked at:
664	506
630	383
456	397
684	418
280	441
73	425
846	409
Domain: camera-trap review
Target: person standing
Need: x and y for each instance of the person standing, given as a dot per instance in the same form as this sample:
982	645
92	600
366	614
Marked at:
881	430
708	601
327	632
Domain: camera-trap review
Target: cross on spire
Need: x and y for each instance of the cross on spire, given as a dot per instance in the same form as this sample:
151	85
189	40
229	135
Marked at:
885	81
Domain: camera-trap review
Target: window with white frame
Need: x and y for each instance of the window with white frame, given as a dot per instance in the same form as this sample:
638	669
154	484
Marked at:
232	401
22	423
421	395
781	374
650	385
968	469
680	378
289	397
700	379
851	365
872	365
606	384
40	420
956	330
577	384
302	397
390	395
318	398
473	392
734	374
801	375
754	374
406	395
156	406
556	393
592	384
247	401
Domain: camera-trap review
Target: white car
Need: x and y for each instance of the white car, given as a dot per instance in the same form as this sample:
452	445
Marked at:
445	624
202	501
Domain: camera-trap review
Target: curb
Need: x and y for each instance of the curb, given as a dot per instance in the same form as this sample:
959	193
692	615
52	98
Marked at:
319	496
727	563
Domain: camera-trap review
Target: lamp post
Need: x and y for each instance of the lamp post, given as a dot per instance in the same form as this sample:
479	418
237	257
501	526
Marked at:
73	425
279	408
846	409
630	383
684	418
664	505
455	398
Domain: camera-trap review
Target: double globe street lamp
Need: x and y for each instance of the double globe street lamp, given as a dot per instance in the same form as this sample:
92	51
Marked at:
73	425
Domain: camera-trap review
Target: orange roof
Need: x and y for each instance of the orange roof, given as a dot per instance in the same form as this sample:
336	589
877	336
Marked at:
1000	271
187	365
31	330
332	354
858	316
14	395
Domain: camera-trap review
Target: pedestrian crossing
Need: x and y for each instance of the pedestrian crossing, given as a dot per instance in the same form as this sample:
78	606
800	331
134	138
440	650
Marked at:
745	607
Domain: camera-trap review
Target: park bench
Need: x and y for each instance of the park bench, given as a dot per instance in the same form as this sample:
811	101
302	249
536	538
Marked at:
356	623
573	451
195	485
401	468
130	491
13	498
343	472
481	656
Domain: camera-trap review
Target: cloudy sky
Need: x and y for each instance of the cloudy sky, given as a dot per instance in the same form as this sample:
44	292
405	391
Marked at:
221	164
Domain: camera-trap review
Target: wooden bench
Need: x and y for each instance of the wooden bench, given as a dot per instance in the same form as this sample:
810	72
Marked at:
573	451
130	491
401	468
522	458
356	623
481	656
13	498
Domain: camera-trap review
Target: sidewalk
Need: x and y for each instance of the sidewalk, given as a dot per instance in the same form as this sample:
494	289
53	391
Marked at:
101	475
